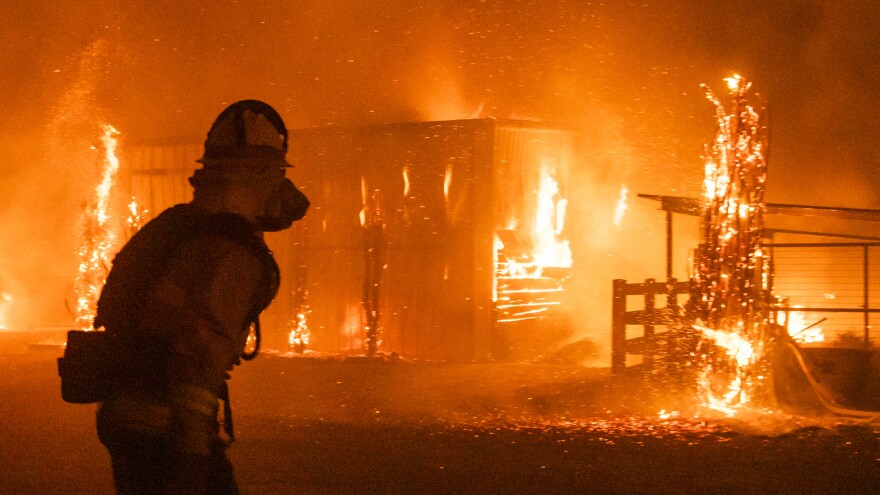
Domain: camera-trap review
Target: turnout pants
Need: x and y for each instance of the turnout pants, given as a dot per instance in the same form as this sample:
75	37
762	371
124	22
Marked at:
144	464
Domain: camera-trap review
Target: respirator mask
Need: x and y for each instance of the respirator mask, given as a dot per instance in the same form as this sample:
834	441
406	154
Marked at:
284	205
247	145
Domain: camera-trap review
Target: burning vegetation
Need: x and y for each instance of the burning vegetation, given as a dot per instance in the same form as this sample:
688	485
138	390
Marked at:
736	340
731	278
100	237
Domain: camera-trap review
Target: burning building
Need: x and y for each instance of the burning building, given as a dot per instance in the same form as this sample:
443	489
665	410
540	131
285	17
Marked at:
433	240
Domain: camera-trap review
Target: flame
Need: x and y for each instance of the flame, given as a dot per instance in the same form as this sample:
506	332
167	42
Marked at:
362	215
731	401
744	354
406	182
518	302
734	344
299	334
621	205
112	166
664	414
447	181
734	82
5	301
550	249
737	85
99	239
800	330
137	217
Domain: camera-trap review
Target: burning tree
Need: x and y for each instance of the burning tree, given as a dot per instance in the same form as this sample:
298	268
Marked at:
98	239
731	279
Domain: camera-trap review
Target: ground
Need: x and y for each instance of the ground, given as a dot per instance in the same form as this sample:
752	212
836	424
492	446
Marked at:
333	425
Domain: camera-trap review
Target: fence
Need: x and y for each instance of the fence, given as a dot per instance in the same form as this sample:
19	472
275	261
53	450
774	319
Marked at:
831	290
650	317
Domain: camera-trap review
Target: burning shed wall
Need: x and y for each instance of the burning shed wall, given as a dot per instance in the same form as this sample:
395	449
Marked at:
412	207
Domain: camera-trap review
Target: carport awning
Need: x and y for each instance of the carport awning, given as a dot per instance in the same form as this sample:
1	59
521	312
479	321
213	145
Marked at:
691	206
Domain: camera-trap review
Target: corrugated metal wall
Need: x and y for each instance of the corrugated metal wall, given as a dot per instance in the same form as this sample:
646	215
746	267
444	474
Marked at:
157	174
844	278
432	182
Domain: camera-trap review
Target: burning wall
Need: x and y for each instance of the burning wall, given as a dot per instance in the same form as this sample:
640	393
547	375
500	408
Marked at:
444	190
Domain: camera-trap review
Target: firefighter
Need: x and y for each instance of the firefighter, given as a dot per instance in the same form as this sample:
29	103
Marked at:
182	297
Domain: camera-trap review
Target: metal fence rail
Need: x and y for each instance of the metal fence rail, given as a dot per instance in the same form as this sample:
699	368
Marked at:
833	286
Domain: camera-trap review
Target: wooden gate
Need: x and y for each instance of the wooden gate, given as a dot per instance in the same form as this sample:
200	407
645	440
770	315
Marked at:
649	343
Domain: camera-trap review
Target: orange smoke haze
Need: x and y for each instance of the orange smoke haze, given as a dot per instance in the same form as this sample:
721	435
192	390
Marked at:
626	73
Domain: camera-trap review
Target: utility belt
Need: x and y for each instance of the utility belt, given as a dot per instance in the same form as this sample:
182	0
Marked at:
153	416
90	370
137	414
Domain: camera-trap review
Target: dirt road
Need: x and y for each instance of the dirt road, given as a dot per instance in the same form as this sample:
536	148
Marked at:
326	425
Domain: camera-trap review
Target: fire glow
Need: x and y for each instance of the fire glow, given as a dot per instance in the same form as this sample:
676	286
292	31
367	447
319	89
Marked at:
373	225
800	330
99	240
5	302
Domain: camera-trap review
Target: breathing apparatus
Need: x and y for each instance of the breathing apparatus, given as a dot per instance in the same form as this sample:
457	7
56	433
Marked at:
246	148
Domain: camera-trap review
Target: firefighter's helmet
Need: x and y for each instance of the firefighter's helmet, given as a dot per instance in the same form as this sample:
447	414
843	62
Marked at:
247	129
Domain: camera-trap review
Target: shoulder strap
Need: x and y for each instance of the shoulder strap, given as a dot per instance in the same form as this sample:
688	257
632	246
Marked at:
144	259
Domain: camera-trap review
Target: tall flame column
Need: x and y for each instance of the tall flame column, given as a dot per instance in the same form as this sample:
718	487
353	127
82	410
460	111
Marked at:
731	278
98	239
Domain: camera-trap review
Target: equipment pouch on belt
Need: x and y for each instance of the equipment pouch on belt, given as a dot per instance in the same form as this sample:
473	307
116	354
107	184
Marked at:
87	367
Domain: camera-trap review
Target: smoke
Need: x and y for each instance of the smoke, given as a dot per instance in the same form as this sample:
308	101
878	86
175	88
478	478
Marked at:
60	168
627	73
